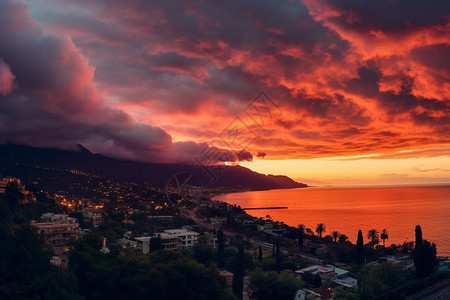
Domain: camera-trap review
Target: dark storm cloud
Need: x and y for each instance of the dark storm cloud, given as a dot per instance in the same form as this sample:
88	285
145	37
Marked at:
261	154
217	40
367	83
175	61
422	110
389	16
56	103
244	155
434	57
117	75
333	109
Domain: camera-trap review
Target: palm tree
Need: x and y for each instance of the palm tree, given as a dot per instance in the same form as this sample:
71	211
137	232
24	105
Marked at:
373	236
335	235
343	238
321	228
384	236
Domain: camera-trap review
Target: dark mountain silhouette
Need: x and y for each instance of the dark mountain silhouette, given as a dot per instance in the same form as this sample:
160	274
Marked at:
130	171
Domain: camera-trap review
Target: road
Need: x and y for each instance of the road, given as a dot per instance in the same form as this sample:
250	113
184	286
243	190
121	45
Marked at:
438	292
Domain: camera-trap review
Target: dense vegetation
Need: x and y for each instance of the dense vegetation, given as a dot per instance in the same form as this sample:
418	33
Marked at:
130	275
26	273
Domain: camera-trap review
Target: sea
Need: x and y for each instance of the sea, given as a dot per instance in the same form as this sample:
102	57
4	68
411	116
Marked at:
348	209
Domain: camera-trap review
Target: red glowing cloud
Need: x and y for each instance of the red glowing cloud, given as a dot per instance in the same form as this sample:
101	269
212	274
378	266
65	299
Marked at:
158	82
6	79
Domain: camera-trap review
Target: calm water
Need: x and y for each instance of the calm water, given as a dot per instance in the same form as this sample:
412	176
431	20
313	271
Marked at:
346	210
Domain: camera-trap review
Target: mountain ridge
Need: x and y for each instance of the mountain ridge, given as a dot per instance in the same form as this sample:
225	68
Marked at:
155	174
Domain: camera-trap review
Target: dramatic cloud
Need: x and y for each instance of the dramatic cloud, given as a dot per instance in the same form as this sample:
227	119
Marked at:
6	79
163	81
57	103
261	154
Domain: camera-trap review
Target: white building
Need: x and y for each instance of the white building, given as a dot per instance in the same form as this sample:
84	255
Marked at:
143	243
171	239
300	295
187	237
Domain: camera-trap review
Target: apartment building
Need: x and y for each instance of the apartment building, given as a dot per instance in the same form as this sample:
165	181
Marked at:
57	229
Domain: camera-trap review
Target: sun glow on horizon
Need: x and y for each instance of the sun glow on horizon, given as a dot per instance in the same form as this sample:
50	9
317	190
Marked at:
366	171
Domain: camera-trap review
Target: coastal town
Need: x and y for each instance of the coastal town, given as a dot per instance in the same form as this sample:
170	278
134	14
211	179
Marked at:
224	150
254	258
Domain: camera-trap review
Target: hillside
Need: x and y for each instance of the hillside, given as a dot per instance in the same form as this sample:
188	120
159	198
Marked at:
131	171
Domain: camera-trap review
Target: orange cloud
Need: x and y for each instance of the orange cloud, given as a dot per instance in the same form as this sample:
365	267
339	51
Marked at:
158	81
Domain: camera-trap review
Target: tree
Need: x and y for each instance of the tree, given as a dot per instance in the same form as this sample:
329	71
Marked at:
25	269
373	236
424	255
343	238
13	195
260	255
418	235
220	249
271	285
238	275
335	235
320	229
384	236
425	259
312	279
131	275
380	279
202	251
360	248
301	235
278	255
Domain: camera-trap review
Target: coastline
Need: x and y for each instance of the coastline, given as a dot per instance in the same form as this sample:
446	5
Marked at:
397	237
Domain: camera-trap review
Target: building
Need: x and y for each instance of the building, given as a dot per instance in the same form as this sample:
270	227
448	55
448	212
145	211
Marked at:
228	276
27	196
57	229
187	237
93	217
3	184
217	222
212	242
171	239
337	275
300	295
143	243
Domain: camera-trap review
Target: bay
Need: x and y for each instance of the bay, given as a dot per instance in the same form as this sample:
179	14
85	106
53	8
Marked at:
346	210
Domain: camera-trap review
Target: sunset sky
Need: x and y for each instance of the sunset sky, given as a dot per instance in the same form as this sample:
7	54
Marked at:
326	92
